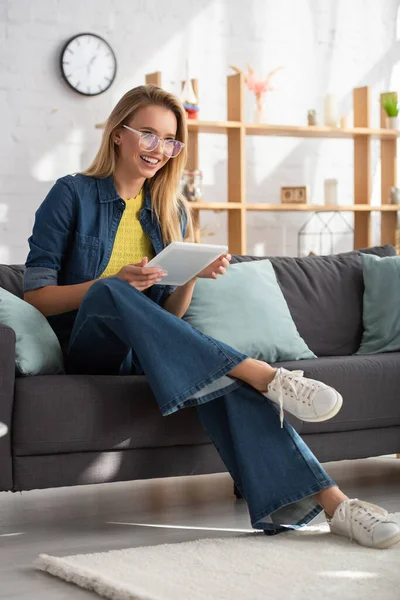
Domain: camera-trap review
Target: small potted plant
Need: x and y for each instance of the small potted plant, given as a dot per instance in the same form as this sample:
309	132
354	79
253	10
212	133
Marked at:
391	107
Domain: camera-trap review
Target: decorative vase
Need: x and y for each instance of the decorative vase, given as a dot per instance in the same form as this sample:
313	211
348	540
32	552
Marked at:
259	109
331	192
331	114
345	122
393	122
192	185
394	195
312	117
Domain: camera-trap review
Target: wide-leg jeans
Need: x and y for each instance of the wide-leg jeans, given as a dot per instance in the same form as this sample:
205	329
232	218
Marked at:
272	467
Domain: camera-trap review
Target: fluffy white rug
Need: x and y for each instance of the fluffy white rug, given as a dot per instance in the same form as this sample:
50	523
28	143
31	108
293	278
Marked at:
294	566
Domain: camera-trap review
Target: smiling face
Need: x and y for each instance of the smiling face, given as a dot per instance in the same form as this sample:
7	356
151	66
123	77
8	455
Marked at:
154	119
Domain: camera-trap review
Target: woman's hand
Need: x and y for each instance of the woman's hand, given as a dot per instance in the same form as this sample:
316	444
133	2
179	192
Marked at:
218	267
140	277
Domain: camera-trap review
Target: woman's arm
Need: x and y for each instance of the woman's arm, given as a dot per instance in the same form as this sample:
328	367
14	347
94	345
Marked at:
178	302
52	234
55	299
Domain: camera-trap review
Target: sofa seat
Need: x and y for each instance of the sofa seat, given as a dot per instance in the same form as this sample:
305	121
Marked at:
373	378
99	413
56	414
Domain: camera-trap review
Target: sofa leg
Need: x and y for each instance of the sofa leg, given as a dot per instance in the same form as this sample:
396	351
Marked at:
237	492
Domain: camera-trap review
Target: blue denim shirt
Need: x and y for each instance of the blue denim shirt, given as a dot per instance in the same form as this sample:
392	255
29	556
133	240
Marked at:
73	238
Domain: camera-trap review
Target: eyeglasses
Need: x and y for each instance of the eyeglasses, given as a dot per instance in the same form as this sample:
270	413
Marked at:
150	141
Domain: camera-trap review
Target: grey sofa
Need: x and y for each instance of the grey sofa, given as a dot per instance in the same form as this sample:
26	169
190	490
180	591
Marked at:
70	430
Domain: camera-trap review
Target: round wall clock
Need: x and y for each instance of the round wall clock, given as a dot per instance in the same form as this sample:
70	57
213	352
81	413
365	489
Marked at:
88	64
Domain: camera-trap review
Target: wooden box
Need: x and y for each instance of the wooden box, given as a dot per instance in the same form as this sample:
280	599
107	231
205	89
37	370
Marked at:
294	194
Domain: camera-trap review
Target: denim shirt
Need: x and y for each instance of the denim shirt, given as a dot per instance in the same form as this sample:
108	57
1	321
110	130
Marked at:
73	237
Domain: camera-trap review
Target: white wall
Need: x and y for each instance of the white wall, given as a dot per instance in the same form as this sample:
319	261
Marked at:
47	130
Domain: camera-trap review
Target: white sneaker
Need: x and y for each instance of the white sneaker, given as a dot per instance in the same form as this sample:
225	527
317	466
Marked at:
307	399
367	524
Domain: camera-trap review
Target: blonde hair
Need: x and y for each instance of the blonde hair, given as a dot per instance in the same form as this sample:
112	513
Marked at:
167	202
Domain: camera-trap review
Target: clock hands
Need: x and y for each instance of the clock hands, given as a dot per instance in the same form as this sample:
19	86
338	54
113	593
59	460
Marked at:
90	63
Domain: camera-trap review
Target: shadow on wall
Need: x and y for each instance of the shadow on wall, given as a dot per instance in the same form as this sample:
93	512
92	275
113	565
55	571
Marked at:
266	224
48	130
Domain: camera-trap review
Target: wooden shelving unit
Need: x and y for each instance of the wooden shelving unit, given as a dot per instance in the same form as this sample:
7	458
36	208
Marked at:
218	206
237	129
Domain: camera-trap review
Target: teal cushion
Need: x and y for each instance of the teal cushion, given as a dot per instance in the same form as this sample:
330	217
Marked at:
381	310
247	310
38	351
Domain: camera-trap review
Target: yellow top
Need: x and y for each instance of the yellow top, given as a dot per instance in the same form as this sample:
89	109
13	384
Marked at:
131	243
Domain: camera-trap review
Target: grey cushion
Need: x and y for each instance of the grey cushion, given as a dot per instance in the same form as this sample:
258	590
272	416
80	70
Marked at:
72	413
325	296
11	279
369	385
107	413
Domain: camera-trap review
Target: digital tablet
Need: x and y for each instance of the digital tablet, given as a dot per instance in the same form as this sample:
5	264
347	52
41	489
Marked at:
184	260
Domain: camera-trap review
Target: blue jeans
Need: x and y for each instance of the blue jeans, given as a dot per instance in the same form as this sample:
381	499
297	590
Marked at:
272	467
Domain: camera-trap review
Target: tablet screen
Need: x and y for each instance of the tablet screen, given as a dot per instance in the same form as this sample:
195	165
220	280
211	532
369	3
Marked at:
184	260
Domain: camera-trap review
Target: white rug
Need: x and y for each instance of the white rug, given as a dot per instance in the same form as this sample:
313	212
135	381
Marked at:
307	565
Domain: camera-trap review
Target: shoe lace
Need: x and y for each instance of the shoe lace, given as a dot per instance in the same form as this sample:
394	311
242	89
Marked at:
293	381
354	511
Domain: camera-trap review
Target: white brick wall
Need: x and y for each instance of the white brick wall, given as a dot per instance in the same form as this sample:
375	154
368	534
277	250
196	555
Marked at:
47	130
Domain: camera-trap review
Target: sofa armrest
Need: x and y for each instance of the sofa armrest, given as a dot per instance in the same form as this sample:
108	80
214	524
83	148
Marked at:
7	381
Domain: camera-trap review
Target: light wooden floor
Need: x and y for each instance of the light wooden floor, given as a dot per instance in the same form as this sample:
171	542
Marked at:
115	516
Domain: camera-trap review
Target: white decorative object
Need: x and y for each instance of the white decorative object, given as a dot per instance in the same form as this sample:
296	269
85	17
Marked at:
331	195
241	566
393	122
394	195
187	95
345	122
3	429
331	114
312	117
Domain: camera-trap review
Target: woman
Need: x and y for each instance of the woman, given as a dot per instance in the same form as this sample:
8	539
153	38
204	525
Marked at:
92	237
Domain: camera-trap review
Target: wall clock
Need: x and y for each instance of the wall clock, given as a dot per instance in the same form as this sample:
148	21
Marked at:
88	64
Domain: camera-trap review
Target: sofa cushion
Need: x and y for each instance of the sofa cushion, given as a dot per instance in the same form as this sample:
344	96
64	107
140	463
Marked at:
243	308
37	349
381	310
369	386
71	413
12	278
325	297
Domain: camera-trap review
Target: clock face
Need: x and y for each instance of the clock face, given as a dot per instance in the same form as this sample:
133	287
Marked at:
88	64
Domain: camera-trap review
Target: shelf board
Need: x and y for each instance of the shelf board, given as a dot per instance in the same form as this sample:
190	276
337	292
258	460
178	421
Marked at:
301	131
305	131
215	205
385	208
212	126
321	208
202	126
293	207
